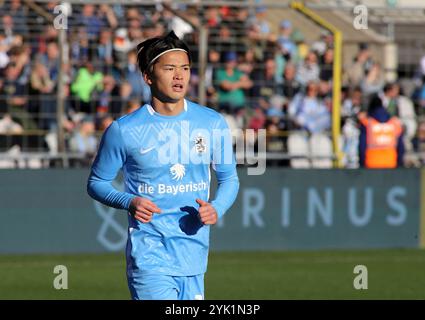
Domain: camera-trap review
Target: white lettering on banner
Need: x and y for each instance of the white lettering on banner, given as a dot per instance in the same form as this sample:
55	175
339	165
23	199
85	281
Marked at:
286	205
356	219
316	205
252	210
355	206
397	206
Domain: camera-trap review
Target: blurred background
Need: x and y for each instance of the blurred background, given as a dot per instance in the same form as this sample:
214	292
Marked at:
320	77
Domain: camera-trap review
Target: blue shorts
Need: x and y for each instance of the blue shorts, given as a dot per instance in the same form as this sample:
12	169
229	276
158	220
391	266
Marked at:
163	287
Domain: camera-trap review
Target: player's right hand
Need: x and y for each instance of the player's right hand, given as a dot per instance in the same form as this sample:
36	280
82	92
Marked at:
142	209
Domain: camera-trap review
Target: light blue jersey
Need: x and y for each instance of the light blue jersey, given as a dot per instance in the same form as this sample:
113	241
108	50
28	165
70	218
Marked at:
167	159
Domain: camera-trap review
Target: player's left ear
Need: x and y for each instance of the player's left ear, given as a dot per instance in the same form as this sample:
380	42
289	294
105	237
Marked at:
148	78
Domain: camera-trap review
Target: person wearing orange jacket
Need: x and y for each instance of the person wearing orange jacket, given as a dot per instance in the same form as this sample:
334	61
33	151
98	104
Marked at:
381	138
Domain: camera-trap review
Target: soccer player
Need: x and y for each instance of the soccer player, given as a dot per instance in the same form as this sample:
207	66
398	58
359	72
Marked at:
166	149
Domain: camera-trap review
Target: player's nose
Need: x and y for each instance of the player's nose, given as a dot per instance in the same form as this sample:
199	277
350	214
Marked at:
178	74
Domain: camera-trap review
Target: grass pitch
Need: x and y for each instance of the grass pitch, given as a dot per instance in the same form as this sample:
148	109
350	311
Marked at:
392	274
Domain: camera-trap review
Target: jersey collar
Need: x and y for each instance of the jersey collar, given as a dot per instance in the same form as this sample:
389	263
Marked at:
152	111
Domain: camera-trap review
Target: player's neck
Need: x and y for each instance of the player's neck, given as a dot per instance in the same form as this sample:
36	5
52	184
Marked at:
167	108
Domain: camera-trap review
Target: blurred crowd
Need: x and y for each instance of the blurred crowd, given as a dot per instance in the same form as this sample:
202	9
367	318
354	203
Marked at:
256	77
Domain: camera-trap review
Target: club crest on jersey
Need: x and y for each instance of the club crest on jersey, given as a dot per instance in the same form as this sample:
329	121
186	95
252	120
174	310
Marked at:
177	171
200	144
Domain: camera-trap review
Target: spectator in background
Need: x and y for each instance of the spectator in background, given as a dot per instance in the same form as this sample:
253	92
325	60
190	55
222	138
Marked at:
352	104
351	107
42	89
51	60
401	107
4	48
212	17
240	19
326	67
15	9
325	93
258	120
312	119
139	88
135	35
260	20
210	77
104	50
135	26
309	70
231	84
91	22
79	46
419	144
7	27
223	40
290	86
259	32
86	81
356	73
48	34
20	57
323	44
286	44
84	141
381	137
133	13
108	96
374	80
302	46
276	109
248	62
264	84
421	96
308	111
107	16
122	46
13	98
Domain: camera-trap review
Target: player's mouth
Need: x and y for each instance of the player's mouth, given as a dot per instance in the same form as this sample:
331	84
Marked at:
177	87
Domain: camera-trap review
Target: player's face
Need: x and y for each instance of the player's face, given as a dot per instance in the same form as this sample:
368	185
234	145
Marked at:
170	78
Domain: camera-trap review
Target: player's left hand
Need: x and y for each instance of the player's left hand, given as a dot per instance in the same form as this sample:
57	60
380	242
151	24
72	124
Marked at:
207	213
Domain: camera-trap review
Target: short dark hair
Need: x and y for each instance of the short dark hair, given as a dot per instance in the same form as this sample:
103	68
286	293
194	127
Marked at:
389	86
150	48
375	102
